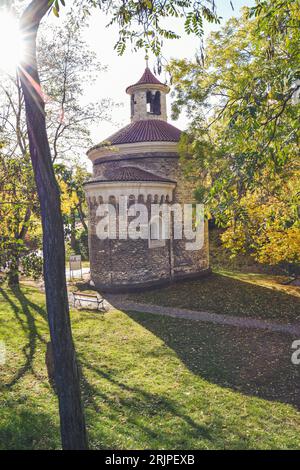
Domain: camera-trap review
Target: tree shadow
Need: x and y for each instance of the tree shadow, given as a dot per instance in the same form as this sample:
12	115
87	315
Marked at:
130	401
27	322
225	295
136	402
253	362
28	429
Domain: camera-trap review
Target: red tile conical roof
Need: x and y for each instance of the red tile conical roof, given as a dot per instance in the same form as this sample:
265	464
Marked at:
147	79
152	130
129	173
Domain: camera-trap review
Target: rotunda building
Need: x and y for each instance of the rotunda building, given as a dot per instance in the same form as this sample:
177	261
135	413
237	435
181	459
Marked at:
140	164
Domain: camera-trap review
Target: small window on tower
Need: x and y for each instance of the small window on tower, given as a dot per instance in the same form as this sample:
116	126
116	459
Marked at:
156	103
132	105
153	102
149	101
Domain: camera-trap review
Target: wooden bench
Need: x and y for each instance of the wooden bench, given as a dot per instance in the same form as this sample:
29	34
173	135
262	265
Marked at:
90	298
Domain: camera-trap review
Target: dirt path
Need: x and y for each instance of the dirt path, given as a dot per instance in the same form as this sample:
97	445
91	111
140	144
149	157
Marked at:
242	322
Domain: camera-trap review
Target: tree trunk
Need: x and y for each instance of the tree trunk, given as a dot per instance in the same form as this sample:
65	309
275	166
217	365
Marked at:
14	269
73	231
13	274
82	217
72	422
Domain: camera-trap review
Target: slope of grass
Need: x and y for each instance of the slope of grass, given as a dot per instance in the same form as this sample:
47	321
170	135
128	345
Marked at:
149	382
233	293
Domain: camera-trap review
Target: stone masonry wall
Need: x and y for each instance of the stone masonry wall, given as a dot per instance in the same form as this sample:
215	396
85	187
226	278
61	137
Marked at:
131	262
121	262
140	107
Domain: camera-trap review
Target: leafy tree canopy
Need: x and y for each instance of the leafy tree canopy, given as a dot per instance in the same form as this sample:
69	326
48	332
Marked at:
68	63
142	22
244	110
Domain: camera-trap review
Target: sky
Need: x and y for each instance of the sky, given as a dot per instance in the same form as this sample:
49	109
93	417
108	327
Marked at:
127	69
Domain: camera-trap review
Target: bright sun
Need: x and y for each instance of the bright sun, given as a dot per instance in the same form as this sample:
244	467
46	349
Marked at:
10	43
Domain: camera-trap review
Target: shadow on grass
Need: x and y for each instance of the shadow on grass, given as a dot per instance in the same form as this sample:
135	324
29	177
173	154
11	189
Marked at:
253	362
223	294
134	402
26	429
27	322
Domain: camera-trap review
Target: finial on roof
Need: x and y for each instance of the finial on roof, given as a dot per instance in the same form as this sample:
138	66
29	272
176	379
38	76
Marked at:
147	79
147	61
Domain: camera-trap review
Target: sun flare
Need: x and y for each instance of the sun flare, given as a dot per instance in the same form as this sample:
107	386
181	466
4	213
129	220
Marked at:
10	43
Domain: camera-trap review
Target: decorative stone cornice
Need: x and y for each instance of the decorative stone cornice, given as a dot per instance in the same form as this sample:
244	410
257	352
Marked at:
150	86
125	157
106	191
133	148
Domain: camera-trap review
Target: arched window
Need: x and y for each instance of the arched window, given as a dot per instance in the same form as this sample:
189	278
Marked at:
149	101
156	103
156	232
132	103
153	102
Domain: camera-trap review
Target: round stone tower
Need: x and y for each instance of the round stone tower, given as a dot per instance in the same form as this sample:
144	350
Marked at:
140	164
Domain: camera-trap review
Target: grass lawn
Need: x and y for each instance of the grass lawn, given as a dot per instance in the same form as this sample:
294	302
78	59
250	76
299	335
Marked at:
233	293
150	381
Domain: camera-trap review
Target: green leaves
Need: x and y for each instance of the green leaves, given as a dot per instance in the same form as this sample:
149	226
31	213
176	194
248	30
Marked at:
56	6
194	23
141	23
245	127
